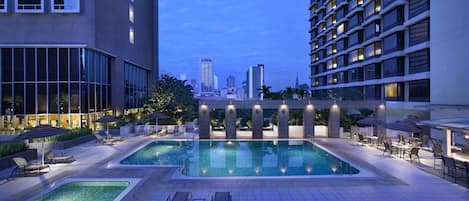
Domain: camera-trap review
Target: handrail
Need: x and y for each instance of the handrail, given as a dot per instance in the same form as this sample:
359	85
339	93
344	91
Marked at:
29	6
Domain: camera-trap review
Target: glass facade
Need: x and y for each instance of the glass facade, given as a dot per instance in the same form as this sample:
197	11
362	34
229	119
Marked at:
53	86
136	85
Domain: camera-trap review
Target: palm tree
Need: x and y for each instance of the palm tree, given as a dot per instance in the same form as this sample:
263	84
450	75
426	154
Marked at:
264	90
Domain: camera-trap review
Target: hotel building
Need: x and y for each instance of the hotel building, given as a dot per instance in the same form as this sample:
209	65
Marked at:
68	62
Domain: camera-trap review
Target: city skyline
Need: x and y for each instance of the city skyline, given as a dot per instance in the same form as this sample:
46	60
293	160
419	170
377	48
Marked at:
276	36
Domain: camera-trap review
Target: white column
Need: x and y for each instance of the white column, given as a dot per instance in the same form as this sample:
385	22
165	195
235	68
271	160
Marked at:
447	141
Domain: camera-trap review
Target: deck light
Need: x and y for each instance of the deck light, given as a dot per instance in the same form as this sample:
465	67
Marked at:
309	169
283	170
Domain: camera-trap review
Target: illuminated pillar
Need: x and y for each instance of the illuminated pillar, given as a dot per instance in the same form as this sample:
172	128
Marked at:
230	122
257	119
334	121
204	122
308	121
447	141
381	115
283	115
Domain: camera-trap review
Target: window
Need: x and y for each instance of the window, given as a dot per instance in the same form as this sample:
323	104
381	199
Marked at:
419	61
341	28
372	8
356	55
331	20
373	29
131	35
331	5
342	60
65	6
393	42
417	7
354	3
131	13
394	91
136	85
323	26
355	74
373	50
331	64
331	49
332	79
322	67
355	38
393	18
419	91
342	44
419	32
355	20
372	71
3	6
331	35
30	64
373	92
393	67
29	6
341	12
342	77
6	62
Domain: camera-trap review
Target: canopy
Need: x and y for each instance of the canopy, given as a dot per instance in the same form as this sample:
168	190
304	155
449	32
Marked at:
107	119
403	126
41	132
370	121
154	116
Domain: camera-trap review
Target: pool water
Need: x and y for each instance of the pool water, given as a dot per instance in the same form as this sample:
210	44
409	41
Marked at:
86	191
241	158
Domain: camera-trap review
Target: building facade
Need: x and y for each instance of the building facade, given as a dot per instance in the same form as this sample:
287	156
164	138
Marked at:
231	82
67	63
372	50
206	76
254	81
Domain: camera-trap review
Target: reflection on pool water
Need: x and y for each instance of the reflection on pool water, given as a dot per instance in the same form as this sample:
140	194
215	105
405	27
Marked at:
86	190
241	158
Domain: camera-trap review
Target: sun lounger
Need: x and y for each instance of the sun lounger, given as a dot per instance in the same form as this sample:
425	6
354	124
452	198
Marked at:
222	196
103	140
25	167
181	196
51	157
115	138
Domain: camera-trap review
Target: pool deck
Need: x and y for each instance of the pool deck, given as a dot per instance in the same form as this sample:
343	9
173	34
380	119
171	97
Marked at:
396	179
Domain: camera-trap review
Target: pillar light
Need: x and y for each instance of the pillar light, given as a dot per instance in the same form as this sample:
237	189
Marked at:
204	107
382	106
309	107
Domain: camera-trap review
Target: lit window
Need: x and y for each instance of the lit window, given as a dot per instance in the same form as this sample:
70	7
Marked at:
131	35
131	14
29	6
340	28
65	6
331	64
3	6
391	90
356	55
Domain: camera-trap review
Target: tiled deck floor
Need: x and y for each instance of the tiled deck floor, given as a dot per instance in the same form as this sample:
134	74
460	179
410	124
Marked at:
396	179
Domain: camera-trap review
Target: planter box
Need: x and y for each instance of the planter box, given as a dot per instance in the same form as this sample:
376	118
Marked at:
7	162
62	145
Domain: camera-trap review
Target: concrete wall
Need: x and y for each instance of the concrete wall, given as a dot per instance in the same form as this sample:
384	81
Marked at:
449	28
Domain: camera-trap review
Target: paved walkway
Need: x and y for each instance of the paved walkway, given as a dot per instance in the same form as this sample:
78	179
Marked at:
395	179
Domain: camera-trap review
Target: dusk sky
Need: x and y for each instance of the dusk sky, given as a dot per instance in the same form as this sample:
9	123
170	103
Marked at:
235	34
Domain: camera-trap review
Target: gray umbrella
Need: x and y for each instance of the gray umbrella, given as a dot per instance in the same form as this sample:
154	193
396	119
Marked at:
42	132
106	120
370	121
155	116
403	126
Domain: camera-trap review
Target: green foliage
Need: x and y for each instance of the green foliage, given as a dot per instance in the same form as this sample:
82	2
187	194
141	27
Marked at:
11	148
295	117
172	97
322	117
74	133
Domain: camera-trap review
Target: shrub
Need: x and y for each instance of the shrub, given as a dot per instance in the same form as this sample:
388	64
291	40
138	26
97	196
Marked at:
74	133
11	148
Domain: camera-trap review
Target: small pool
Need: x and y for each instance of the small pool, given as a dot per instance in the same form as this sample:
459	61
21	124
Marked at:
86	190
241	158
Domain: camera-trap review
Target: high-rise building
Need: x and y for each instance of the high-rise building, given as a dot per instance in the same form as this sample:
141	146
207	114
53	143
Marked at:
66	63
183	77
373	50
206	76
215	83
254	81
231	82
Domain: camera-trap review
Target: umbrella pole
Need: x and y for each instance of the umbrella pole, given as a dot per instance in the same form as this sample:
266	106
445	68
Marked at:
42	154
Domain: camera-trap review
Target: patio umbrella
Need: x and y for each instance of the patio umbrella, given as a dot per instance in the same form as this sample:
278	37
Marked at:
155	116
370	121
107	119
403	126
41	132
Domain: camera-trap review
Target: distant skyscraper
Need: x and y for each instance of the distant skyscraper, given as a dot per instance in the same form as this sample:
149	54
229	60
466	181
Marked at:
215	83
195	86
206	76
230	82
254	81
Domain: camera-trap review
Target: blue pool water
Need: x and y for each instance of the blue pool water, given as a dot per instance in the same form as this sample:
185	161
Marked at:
86	191
241	158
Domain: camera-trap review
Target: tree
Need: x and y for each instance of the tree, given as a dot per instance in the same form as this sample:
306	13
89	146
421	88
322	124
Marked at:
264	90
172	97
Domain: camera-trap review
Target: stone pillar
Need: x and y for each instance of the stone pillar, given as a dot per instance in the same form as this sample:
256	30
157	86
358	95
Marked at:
230	122
257	120
447	141
283	116
204	122
308	121
381	115
334	122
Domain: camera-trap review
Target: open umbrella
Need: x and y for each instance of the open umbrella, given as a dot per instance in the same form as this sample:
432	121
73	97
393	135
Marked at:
155	116
107	119
403	126
370	121
41	132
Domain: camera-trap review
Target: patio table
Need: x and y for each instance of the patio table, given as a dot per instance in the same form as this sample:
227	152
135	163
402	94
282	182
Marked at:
372	139
402	148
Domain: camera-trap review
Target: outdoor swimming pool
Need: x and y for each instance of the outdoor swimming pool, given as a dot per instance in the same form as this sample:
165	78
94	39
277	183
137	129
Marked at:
86	190
241	158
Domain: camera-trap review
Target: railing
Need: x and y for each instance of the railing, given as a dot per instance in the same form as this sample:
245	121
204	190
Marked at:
29	7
